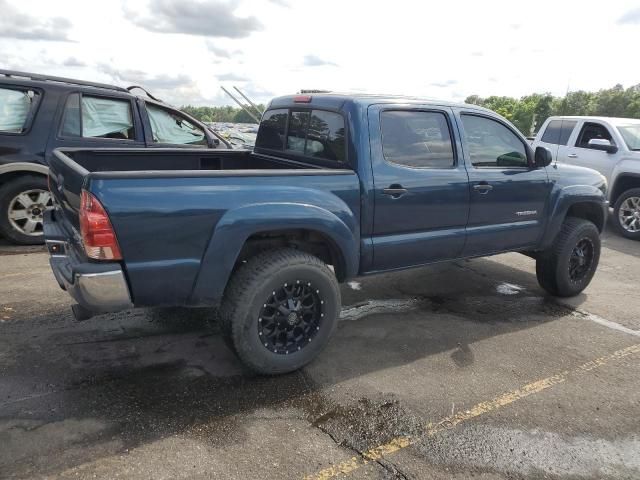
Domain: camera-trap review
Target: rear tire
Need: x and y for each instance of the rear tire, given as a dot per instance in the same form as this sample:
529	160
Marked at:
279	310
626	214
567	268
22	204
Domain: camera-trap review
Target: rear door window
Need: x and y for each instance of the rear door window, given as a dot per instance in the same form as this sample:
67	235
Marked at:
97	117
169	127
417	139
15	109
558	131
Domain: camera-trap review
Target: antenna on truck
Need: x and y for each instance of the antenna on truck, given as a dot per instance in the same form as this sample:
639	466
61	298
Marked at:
242	105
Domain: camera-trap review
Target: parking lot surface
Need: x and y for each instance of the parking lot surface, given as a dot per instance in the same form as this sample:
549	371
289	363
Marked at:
459	370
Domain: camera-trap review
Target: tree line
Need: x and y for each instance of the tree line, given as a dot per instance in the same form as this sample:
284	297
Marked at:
528	113
220	114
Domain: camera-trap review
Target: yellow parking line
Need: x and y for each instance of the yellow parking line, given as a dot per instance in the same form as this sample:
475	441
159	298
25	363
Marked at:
451	421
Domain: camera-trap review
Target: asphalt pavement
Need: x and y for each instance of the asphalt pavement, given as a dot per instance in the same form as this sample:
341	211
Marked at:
458	370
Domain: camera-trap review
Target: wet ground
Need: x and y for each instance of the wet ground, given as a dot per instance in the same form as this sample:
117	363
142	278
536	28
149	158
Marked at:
463	370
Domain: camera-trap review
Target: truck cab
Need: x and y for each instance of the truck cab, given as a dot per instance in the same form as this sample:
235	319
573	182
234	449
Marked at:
40	113
608	145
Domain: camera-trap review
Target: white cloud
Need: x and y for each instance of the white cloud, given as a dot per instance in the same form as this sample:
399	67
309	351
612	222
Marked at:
213	18
21	25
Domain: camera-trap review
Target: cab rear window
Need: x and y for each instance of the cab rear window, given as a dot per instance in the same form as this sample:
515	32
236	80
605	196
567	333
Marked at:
16	107
558	132
318	134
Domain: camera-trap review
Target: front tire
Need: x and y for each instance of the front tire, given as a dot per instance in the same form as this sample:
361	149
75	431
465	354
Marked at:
23	201
567	268
626	214
279	310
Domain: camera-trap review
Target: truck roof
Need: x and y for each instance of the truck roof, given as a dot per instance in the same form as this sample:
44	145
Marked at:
339	100
611	120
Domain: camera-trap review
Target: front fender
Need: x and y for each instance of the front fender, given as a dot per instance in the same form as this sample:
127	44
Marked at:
627	167
563	199
237	225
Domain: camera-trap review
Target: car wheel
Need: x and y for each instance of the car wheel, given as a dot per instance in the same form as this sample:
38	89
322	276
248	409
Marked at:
22	205
568	266
280	309
626	214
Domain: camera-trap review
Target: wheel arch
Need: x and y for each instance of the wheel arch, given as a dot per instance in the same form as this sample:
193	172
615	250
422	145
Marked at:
14	170
246	231
579	202
624	182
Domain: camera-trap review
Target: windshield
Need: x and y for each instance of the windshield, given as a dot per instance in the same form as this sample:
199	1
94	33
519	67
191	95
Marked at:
631	135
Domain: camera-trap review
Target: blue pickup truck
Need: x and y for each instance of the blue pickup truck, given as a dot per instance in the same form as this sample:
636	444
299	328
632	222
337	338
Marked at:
337	186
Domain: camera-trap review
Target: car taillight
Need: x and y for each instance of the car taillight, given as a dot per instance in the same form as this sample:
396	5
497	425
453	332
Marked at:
98	237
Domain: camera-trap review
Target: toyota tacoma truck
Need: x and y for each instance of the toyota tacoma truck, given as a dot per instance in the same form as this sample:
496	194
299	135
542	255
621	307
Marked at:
336	187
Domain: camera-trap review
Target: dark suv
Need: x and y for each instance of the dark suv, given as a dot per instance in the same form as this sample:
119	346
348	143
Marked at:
39	113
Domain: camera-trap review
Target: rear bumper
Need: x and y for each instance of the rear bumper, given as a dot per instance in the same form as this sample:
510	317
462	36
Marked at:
97	287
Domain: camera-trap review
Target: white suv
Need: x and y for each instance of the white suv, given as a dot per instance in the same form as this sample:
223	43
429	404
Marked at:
609	145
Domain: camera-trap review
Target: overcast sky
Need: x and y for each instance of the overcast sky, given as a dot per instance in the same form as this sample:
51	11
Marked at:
184	50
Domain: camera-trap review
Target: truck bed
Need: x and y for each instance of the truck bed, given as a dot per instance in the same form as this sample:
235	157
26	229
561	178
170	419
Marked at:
184	214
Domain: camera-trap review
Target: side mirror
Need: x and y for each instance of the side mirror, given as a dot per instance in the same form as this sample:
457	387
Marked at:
542	157
602	144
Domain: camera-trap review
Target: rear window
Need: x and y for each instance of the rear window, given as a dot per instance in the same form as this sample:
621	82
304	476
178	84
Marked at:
311	133
558	132
15	109
271	131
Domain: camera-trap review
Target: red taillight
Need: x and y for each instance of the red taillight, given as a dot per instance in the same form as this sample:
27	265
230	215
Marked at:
302	99
98	237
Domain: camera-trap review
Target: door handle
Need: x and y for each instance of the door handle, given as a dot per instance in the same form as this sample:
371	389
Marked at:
483	188
395	190
572	155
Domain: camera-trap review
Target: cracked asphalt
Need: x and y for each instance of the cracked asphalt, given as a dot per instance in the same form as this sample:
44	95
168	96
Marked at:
455	371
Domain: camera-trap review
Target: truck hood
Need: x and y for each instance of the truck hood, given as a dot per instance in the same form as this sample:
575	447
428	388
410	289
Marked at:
567	175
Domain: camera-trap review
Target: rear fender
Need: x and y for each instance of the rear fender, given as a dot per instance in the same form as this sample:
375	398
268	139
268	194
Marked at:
237	225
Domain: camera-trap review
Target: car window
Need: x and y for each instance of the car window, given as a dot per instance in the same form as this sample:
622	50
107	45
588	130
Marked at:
271	131
97	117
169	127
71	119
326	136
417	139
297	131
491	144
15	106
590	131
558	131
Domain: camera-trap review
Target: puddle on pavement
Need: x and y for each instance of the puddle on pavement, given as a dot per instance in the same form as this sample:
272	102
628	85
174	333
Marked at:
505	307
361	425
